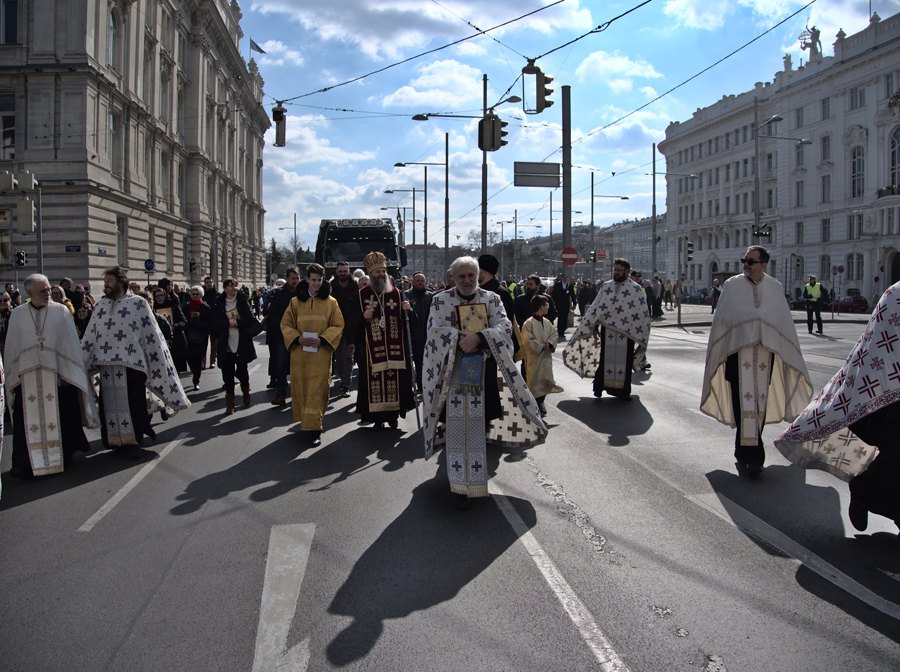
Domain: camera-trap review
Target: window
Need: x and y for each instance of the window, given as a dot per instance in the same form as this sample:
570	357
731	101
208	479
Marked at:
728	172
9	21
770	198
855	267
799	155
826	188
114	37
770	162
798	117
798	233
170	251
165	177
825	107
825	145
826	230
857	97
717	175
149	72
122	240
857	172
7	126
151	242
744	133
728	205
895	156
746	165
824	267
116	144
744	203
854	226
799	194
890	84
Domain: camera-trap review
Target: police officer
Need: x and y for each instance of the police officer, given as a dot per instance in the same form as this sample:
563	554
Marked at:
813	295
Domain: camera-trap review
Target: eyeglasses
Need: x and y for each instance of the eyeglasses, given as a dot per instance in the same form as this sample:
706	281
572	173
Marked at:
751	262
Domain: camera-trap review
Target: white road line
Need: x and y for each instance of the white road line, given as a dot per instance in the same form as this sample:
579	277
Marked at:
738	516
289	547
130	485
592	635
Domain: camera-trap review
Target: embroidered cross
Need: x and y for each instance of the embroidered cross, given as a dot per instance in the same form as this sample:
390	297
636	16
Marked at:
124	312
455	402
816	418
840	460
456	466
130	349
869	386
895	320
843	403
119	374
846	437
860	452
106	347
120	335
476	401
860	358
32	398
109	324
514	429
895	374
145	320
877	363
51	426
477	466
879	312
124	422
371	303
391	304
887	341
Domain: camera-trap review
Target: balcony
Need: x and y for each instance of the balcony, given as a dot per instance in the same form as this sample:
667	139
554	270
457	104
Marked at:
892	190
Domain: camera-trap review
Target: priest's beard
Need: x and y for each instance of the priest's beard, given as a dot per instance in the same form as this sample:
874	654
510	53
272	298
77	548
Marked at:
382	285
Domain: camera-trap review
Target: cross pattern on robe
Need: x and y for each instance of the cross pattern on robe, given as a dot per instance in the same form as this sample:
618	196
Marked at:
154	356
124	312
372	303
130	349
860	358
150	338
119	374
895	374
514	429
860	451
455	402
49	396
869	386
877	363
120	335
145	320
34	429
846	437
887	341
477	466
476	401
816	418
109	324
124	422
894	321
155	373
391	303
843	403
840	460
456	466
173	388
106	347
51	426
879	312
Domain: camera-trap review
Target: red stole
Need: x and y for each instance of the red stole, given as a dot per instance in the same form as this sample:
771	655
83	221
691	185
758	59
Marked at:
384	347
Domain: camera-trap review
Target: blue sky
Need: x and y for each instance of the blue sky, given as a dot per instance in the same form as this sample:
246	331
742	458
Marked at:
342	144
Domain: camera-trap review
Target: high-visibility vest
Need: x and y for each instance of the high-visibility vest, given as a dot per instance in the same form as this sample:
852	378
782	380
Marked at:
814	292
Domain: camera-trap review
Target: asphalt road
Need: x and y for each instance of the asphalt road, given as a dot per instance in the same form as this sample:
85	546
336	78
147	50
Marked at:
625	541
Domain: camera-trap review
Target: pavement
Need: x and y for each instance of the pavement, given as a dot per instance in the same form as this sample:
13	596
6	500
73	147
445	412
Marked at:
700	316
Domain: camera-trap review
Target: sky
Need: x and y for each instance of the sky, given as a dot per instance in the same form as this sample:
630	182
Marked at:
348	123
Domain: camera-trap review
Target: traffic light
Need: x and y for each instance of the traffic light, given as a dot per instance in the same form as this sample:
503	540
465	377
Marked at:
279	117
688	251
499	133
542	97
593	256
8	182
26	216
486	134
193	264
21	259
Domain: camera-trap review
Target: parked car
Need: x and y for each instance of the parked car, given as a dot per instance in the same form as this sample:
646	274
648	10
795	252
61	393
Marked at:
700	296
799	303
852	304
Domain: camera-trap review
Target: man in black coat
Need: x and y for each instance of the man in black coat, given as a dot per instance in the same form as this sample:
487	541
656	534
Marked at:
522	304
563	294
346	291
420	299
210	295
278	354
488	265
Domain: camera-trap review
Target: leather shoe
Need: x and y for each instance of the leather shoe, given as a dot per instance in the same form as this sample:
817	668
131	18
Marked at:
316	439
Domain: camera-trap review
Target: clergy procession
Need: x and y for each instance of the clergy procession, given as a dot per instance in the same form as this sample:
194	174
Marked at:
473	362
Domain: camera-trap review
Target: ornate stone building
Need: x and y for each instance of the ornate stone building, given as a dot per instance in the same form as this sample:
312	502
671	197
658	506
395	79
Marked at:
144	126
828	153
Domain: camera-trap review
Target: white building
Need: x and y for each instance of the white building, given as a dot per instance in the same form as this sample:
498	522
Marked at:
830	205
144	126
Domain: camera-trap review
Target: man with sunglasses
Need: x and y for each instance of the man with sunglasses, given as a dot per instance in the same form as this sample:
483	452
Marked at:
755	373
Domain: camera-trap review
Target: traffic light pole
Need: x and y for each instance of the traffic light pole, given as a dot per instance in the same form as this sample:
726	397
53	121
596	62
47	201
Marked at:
484	172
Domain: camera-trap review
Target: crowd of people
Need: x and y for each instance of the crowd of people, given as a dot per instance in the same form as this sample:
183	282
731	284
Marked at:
477	354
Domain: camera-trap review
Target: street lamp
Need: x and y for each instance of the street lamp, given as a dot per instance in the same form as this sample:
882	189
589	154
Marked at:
446	165
593	242
413	192
294	241
501	223
758	230
516	251
484	172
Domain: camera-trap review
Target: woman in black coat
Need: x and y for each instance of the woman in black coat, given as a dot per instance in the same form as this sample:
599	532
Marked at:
234	327
169	308
199	326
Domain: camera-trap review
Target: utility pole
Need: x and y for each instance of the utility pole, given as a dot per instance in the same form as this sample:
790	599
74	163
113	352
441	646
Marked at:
484	172
567	166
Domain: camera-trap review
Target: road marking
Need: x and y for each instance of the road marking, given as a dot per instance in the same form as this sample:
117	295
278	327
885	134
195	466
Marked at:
130	485
895	577
289	547
742	519
590	632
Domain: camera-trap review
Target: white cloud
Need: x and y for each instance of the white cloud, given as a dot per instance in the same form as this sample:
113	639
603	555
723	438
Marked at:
304	146
439	85
616	70
277	53
649	92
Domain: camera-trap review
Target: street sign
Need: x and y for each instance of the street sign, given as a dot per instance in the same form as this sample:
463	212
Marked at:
531	174
73	248
841	268
601	254
569	256
149	265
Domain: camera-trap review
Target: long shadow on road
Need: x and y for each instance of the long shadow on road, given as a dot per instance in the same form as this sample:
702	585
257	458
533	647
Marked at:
394	578
616	418
811	515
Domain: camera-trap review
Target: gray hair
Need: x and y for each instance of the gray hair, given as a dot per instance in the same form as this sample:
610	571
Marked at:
459	262
33	278
197	288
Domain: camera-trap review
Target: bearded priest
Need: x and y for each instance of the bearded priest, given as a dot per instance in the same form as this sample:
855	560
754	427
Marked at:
382	350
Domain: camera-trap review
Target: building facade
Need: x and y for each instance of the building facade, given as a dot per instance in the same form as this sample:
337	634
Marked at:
825	165
144	127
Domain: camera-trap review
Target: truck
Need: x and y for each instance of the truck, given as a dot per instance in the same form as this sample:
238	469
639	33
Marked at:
351	240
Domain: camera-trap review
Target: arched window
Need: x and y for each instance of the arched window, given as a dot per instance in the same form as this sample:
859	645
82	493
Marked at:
824	267
895	157
857	172
113	38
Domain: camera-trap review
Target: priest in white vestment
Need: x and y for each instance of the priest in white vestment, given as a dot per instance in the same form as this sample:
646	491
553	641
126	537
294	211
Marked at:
755	373
124	345
45	375
473	392
614	328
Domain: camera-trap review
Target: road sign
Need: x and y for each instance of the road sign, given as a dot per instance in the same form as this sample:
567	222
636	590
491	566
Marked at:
531	174
601	254
569	256
841	268
149	265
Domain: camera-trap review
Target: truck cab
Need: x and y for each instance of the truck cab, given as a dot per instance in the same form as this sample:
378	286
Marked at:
351	240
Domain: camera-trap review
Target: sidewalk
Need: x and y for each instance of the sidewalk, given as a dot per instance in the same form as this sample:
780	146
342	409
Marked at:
695	315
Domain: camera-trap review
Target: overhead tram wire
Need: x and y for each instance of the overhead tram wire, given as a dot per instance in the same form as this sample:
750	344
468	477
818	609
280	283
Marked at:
473	26
424	53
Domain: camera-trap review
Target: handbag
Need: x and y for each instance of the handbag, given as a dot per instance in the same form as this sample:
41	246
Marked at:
254	329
